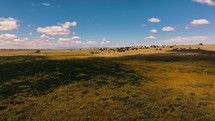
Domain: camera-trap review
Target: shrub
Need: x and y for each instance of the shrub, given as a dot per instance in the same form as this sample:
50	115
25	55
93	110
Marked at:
37	51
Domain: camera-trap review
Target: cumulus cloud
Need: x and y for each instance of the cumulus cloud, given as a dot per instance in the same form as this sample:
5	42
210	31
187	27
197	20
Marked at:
45	37
76	37
13	43
197	22
200	22
90	43
168	29
10	41
68	42
104	41
191	38
154	20
150	38
40	44
65	39
69	24
25	43
20	39
74	23
61	29
54	30
8	24
208	2
46	4
8	36
153	31
69	39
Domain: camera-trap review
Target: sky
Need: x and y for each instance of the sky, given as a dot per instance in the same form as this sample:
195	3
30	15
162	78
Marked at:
65	24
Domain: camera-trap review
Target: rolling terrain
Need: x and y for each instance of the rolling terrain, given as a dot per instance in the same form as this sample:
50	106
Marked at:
155	83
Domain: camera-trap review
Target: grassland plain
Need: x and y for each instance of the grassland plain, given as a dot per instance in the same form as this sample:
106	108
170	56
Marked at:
165	86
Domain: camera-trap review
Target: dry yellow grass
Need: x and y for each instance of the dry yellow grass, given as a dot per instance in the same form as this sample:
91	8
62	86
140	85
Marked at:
86	52
65	85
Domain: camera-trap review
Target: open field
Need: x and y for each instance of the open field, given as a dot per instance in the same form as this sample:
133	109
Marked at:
144	84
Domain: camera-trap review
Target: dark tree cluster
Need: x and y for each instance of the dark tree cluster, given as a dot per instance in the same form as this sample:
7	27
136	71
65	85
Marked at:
126	49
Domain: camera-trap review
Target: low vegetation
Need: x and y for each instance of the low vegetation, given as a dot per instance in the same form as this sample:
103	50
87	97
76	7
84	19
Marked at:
138	87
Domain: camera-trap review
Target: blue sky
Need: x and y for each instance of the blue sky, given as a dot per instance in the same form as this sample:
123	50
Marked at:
98	23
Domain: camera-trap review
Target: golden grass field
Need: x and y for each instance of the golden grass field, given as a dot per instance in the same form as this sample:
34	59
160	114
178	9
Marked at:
72	85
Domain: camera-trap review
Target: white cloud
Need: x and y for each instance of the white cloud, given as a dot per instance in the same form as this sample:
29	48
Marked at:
153	31
104	41
20	39
69	39
64	39
25	43
40	44
168	29
8	24
54	30
8	36
68	42
69	24
200	22
74	23
208	2
150	38
61	29
182	39
13	43
197	22
154	20
45	37
76	37
90	43
44	42
46	4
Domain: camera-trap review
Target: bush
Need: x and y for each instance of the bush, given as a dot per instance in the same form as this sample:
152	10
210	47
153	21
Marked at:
37	51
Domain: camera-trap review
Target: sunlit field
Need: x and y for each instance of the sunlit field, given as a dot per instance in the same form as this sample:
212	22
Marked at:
167	84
